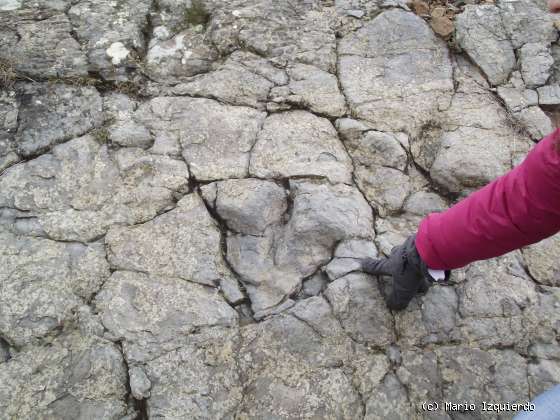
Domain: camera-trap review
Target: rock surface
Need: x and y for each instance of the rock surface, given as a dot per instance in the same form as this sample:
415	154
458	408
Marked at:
187	189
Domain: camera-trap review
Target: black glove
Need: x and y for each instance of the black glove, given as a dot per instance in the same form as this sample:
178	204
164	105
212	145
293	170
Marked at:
410	273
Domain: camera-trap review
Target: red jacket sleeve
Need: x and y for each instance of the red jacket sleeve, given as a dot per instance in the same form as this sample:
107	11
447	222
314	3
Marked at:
519	208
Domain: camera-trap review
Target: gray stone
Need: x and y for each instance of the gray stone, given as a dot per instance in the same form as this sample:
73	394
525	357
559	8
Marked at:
535	121
470	158
53	54
182	243
517	99
525	22
389	401
430	319
176	59
386	188
76	377
51	114
123	130
256	26
543	375
385	77
297	143
315	285
216	139
322	216
9	110
294	364
199	379
112	34
536	63
355	248
272	266
311	88
80	189
130	309
139	383
43	283
466	371
549	94
348	257
476	143
377	148
339	267
267	282
481	33
232	83
542	261
422	203
166	245
357	302
249	206
419	372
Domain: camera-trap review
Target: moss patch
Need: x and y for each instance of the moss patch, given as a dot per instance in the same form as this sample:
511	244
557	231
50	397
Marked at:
196	14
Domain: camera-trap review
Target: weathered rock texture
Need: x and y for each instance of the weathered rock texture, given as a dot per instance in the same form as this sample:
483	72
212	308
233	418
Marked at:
187	188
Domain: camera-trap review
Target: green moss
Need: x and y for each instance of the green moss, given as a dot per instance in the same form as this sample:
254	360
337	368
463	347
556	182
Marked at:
196	14
101	135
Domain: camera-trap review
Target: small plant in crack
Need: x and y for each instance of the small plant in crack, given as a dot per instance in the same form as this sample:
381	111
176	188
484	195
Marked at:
196	15
8	74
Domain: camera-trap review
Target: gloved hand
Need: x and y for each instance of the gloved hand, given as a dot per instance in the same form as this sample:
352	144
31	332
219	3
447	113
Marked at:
410	273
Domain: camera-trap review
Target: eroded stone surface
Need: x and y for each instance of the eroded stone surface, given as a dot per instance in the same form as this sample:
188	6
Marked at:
184	213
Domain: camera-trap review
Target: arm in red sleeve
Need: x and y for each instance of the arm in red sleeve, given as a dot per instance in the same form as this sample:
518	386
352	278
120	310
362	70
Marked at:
519	208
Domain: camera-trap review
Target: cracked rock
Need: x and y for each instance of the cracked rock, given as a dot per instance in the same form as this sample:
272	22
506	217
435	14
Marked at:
182	243
200	379
385	76
235	82
112	34
294	363
536	63
43	283
358	303
481	33
81	188
130	309
298	143
282	32
76	377
186	54
216	139
51	114
9	110
139	383
542	261
53	54
311	88
248	206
